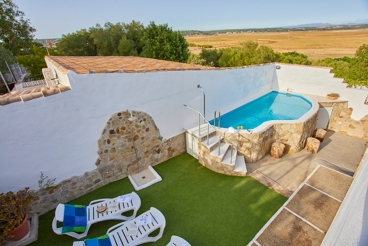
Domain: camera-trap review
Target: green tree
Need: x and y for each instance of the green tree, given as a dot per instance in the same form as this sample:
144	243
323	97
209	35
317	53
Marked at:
248	53
161	42
5	56
294	58
79	43
134	33
210	57
16	33
195	59
36	61
362	54
107	38
354	71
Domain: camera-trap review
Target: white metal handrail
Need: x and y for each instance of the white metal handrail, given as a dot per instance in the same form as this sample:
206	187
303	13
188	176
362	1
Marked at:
214	127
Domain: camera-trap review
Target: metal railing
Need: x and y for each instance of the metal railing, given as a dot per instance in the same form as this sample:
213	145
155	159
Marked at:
213	127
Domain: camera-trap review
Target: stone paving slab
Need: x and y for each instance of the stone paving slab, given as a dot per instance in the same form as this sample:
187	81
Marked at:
331	182
314	206
306	216
287	229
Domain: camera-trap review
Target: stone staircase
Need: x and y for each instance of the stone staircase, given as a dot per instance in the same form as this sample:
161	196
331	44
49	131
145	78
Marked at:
215	152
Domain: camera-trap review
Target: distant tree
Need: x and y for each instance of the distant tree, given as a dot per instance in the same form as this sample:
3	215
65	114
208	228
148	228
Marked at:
36	61
134	34
294	58
248	53
211	57
354	71
5	56
195	59
362	54
79	43
16	32
107	38
161	42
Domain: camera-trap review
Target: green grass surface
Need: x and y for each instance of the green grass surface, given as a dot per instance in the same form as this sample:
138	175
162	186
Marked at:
204	207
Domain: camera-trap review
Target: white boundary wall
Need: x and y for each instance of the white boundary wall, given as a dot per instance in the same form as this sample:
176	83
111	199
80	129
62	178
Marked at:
319	81
58	134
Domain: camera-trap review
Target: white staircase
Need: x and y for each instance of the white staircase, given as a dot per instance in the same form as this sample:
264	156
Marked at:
214	152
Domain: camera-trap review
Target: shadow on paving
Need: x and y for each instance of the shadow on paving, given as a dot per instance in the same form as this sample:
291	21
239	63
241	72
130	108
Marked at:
284	175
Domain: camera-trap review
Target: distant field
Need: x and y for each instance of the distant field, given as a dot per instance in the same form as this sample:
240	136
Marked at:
315	44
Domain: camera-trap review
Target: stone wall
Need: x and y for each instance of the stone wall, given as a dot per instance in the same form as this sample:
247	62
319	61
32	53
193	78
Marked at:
341	121
125	147
255	146
214	162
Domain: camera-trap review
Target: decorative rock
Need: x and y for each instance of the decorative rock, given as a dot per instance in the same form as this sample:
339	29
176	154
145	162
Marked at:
312	145
277	149
320	134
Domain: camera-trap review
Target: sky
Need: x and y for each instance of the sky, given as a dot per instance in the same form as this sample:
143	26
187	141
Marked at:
53	18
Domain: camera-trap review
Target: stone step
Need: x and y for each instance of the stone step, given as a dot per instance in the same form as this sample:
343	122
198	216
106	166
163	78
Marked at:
203	129
223	149
240	164
212	141
229	159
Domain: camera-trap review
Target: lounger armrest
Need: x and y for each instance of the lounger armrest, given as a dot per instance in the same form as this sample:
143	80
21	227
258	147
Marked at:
98	201
57	230
115	227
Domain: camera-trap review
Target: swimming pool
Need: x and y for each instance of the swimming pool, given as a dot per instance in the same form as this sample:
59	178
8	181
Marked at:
271	106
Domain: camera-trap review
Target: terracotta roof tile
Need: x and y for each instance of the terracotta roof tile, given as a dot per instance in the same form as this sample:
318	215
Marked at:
31	94
118	64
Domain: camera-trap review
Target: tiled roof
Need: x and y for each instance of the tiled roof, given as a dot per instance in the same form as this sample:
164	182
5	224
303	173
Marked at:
118	64
31	94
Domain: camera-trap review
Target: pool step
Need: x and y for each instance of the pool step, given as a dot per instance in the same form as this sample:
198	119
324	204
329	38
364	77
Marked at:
212	142
240	164
229	159
223	149
203	129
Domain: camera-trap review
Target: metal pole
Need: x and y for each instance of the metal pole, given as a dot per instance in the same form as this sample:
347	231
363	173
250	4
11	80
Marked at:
204	101
11	72
5	82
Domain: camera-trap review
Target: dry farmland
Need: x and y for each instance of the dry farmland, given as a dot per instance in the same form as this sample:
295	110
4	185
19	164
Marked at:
314	44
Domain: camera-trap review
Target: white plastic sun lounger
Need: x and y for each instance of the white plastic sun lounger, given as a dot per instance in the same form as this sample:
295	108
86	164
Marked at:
177	241
114	211
123	234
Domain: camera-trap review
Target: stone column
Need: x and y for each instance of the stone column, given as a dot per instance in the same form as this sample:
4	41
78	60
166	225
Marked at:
277	149
312	145
320	134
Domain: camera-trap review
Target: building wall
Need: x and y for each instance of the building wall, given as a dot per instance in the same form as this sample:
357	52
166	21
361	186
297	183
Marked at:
58	135
319	81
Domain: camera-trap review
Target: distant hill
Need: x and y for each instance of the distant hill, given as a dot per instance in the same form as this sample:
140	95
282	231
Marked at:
328	24
309	25
303	27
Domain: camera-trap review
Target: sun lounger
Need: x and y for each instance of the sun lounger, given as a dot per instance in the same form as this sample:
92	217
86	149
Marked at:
177	241
133	232
77	219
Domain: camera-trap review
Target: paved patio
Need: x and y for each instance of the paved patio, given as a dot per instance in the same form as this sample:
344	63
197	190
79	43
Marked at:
306	217
284	175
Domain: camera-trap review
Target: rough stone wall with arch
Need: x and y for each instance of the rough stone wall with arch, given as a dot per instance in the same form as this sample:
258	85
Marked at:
125	147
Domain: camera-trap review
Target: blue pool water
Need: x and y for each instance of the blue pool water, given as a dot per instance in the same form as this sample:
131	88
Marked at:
272	106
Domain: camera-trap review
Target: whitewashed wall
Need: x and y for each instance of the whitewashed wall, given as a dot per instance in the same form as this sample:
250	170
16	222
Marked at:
58	134
319	81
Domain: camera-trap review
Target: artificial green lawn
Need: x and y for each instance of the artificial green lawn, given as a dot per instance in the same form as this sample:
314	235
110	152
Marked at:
204	207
